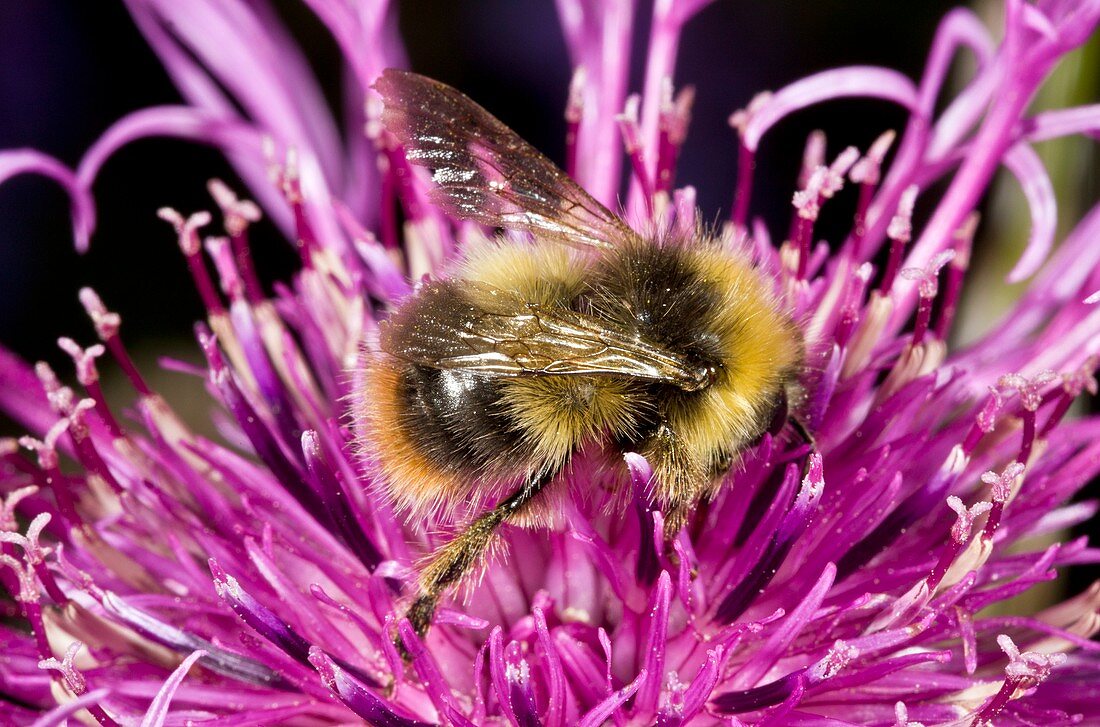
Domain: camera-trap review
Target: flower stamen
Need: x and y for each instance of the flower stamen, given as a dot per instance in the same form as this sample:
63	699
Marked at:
1030	391
956	271
900	231
928	279
746	159
48	461
1024	672
675	115
960	534
187	232
107	325
866	173
287	178
88	376
1073	384
238	215
635	149
1002	488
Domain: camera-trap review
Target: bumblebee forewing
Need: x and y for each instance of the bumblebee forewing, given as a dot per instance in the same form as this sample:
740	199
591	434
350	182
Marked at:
484	171
462	324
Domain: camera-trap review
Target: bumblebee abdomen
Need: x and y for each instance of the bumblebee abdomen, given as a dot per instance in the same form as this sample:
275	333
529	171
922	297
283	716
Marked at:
443	435
458	419
431	437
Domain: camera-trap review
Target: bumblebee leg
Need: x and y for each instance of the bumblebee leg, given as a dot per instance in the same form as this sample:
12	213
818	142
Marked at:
676	516
679	480
800	429
807	436
455	559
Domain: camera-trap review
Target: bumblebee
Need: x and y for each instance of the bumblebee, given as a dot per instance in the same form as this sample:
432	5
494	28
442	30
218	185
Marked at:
488	382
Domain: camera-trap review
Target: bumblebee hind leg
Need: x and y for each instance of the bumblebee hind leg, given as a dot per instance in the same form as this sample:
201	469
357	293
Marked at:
452	561
679	481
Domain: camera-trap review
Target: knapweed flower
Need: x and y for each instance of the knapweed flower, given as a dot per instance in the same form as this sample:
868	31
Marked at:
154	575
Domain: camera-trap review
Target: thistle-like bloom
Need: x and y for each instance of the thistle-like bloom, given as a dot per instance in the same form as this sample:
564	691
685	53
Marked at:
157	576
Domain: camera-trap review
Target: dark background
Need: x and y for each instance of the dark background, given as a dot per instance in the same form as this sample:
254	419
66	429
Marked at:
68	69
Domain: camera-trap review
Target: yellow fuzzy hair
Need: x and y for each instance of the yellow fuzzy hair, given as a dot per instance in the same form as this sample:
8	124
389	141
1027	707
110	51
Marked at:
762	351
558	413
418	488
543	273
760	347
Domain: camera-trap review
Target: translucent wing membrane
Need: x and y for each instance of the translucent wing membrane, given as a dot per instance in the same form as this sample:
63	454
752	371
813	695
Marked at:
484	171
486	329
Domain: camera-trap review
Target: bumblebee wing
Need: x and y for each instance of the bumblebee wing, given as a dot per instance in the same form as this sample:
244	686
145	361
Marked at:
484	171
462	324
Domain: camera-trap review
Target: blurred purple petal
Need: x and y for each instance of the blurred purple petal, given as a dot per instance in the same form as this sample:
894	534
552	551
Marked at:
1028	169
14	162
856	81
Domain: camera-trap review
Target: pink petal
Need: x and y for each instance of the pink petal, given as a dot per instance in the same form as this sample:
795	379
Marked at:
960	28
158	710
231	46
602	711
791	626
14	162
1028	169
1062	122
655	644
240	141
857	81
22	397
59	716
